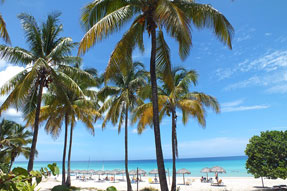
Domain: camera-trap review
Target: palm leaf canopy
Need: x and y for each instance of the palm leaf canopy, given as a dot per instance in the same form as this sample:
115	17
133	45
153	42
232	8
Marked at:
45	61
175	94
121	95
103	17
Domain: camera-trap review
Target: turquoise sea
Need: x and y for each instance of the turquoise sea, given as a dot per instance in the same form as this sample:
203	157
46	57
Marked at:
234	166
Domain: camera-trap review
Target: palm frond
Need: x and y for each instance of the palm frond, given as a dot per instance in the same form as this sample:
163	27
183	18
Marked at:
108	24
203	15
16	55
176	23
33	34
3	31
122	53
163	60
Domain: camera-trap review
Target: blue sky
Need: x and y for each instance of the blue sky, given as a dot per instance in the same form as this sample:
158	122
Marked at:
249	81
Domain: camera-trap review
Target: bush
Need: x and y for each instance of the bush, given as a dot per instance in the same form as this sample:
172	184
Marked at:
111	188
149	189
60	188
18	179
267	155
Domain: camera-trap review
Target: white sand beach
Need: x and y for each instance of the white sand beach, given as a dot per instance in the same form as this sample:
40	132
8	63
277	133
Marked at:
230	184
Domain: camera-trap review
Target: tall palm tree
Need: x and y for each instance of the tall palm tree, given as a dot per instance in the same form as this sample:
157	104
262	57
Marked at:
14	139
3	31
56	110
103	17
123	99
47	52
174	95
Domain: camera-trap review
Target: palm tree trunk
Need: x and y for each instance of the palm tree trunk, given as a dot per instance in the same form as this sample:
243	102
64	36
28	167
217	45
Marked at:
36	126
159	155
68	182
173	140
11	162
64	152
126	153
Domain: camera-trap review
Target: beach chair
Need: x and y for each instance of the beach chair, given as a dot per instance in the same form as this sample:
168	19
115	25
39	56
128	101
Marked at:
188	182
219	183
150	181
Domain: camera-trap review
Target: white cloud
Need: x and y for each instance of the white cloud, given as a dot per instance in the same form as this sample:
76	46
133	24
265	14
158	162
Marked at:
278	89
268	34
237	106
243	38
233	103
276	79
244	108
6	73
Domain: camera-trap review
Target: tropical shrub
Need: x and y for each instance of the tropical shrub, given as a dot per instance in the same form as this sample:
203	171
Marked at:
149	189
111	188
267	155
19	179
60	188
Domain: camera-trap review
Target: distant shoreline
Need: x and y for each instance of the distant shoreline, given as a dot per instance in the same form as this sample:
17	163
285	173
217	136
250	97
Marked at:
135	160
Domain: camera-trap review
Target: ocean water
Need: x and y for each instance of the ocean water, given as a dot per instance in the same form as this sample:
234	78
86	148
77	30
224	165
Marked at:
234	166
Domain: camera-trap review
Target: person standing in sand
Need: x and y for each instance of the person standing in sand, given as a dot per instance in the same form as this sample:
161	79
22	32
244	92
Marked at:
216	177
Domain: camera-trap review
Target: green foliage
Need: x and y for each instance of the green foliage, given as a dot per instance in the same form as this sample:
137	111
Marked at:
267	155
111	188
4	167
18	179
60	188
149	189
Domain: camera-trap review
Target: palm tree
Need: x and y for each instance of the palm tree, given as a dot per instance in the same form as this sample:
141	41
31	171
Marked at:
14	139
47	53
174	95
122	99
103	17
3	31
56	110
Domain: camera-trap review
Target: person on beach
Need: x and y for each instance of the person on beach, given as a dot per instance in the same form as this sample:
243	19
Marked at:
216	176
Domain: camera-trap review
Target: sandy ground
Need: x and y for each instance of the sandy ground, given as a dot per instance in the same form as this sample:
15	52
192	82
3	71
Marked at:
230	184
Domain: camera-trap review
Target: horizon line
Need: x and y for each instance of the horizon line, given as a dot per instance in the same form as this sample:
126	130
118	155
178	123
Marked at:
137	159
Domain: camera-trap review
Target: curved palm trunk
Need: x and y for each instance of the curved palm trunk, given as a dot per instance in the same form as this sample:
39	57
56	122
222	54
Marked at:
174	151
36	127
11	162
64	152
129	187
159	155
68	182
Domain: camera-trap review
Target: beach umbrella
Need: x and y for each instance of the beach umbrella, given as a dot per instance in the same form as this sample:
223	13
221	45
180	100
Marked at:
141	172
205	170
183	171
99	172
132	172
91	171
122	172
114	172
217	169
84	172
154	171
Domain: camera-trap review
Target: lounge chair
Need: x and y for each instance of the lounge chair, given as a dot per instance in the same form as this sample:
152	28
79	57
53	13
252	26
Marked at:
219	183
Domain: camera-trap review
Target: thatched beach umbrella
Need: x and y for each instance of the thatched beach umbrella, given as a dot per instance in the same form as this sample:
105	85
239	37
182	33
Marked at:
154	171
133	172
183	171
114	172
205	170
217	169
99	172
